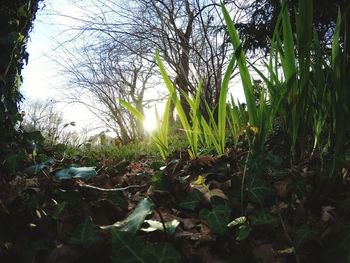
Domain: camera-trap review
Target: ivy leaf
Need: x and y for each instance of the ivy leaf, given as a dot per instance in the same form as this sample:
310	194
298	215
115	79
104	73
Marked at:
217	218
22	11
134	221
131	249
244	228
243	232
76	172
263	218
305	233
118	198
85	234
192	201
259	189
35	169
337	243
58	209
126	247
161	253
157	165
154	225
238	221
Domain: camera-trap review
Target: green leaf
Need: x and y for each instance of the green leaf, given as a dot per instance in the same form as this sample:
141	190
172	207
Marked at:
192	201
131	249
244	228
161	253
259	189
337	243
243	232
133	110
263	218
217	218
154	225
85	234
118	198
305	233
22	11
222	109
178	105
126	247
238	221
242	65
134	221
76	172
160	182
157	165
58	209
35	169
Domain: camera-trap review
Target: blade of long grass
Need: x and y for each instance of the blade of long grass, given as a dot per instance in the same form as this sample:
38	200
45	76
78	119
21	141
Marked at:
288	61
133	110
165	121
242	65
177	103
222	108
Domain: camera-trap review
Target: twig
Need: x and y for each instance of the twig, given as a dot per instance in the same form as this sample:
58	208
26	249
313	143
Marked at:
161	218
242	184
288	237
111	189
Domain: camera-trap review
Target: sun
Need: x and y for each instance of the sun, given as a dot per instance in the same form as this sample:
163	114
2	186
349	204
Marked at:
150	123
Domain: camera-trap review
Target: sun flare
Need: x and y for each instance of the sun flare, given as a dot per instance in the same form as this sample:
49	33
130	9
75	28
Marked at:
150	123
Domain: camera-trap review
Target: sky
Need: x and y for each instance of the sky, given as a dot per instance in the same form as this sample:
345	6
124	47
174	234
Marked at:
41	77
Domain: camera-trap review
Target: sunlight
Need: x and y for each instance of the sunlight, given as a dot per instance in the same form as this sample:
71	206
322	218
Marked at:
150	123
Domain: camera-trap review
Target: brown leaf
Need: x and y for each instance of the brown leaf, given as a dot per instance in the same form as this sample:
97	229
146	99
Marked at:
202	162
204	255
276	209
189	223
327	213
264	253
281	188
215	192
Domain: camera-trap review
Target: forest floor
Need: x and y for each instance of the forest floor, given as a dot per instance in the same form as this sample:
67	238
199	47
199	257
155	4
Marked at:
212	209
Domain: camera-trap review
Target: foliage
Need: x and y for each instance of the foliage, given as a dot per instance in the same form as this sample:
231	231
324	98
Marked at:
76	172
85	234
262	16
132	249
16	22
160	138
217	218
43	116
186	208
134	221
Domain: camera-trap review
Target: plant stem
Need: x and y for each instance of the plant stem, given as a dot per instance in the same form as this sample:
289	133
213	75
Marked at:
243	181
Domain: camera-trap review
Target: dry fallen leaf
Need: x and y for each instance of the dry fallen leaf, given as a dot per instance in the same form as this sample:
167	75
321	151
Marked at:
276	209
326	213
215	192
264	253
281	188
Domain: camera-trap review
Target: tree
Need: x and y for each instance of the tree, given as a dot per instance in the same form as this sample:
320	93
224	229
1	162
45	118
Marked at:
100	75
189	34
43	116
16	18
263	15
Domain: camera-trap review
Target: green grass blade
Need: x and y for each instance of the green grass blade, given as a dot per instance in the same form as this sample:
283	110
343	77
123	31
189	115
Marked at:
242	65
133	110
178	106
222	109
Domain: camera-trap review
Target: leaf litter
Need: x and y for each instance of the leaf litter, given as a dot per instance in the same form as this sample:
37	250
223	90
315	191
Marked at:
182	210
